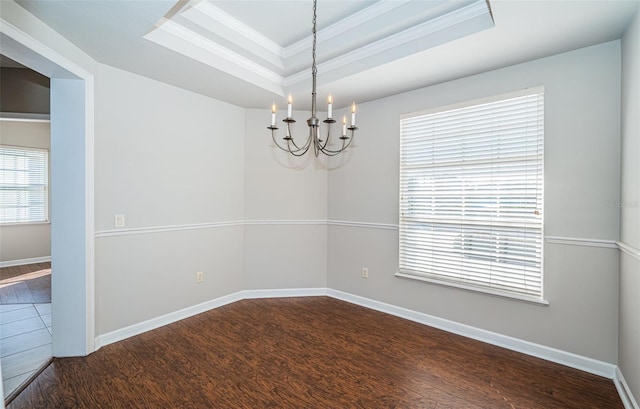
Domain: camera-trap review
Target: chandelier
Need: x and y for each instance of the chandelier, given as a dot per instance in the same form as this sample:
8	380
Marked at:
314	139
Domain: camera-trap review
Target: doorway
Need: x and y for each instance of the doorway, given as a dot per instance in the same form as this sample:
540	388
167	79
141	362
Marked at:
72	130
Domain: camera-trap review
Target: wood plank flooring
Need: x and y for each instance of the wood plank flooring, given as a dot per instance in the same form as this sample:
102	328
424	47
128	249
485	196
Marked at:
314	352
27	284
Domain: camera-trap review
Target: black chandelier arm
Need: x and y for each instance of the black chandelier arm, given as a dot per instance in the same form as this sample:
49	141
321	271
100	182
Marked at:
296	151
345	144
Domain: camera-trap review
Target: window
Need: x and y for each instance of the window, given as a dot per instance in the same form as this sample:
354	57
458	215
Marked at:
24	185
471	195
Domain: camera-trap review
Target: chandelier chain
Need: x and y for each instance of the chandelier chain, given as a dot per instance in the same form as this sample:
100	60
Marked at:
314	69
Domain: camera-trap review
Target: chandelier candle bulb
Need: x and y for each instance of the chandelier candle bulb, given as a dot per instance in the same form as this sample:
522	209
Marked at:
353	114
273	114
289	106
330	107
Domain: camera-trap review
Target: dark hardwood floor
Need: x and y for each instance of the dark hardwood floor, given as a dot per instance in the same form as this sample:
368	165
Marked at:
314	352
27	284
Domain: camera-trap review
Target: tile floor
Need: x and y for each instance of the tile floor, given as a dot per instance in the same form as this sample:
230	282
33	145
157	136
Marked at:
25	341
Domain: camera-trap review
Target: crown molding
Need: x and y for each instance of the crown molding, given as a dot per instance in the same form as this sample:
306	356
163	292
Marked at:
363	16
187	42
474	10
266	55
239	27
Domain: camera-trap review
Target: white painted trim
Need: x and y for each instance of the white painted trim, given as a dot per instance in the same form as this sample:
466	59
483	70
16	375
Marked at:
24	117
236	25
624	391
161	229
396	40
218	51
285	222
577	241
478	289
139	328
89	212
184	41
285	292
364	225
363	16
53	56
195	226
529	348
148	325
24	261
629	250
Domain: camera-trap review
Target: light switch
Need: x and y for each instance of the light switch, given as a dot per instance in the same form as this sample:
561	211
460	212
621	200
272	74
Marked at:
119	220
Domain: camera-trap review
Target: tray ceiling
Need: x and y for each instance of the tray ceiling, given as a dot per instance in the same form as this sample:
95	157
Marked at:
276	55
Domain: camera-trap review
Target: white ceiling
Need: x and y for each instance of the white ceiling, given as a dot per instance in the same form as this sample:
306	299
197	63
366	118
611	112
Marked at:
252	52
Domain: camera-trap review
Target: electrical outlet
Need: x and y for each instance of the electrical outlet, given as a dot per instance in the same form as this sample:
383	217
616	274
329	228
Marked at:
119	220
199	276
365	272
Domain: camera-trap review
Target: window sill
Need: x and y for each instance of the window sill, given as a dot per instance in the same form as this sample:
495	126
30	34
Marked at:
23	224
502	294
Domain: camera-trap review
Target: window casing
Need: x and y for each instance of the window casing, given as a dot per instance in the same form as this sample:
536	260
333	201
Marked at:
471	195
24	185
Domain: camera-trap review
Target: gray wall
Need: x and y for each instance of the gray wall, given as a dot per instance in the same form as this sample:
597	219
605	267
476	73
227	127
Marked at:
32	240
629	338
582	142
285	197
172	162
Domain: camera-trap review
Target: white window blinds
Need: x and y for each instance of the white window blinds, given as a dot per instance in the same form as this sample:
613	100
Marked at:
23	185
471	195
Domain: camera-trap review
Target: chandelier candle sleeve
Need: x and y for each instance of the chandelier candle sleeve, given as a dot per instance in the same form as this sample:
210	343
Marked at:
344	125
273	114
353	114
330	107
289	106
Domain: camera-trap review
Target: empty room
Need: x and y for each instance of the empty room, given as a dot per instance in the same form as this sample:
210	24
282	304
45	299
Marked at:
321	203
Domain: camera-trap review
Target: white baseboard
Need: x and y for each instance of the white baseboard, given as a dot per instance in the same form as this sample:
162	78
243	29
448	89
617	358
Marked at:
550	354
624	391
287	292
137	329
25	261
540	351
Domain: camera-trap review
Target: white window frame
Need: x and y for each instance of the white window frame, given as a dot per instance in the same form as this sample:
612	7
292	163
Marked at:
43	187
439	250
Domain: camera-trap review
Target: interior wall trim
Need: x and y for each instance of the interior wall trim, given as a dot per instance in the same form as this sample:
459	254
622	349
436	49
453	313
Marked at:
285	222
529	348
211	225
365	225
579	241
624	391
629	249
162	229
24	261
572	241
